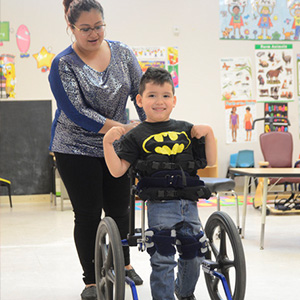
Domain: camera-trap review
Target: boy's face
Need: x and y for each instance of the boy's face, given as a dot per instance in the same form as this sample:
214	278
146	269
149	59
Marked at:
157	101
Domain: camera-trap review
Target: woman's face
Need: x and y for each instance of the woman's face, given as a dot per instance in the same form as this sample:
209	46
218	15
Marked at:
89	30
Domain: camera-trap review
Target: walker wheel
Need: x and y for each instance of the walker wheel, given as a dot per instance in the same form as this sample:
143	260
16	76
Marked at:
228	254
109	262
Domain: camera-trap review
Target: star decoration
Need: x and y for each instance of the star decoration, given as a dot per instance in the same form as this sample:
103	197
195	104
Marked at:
44	59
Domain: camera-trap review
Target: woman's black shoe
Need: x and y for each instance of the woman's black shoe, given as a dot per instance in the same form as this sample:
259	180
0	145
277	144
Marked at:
89	293
134	276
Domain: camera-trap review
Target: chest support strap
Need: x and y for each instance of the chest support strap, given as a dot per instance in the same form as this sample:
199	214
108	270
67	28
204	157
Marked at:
171	185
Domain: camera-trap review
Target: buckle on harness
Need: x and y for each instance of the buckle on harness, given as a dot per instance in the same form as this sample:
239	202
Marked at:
174	180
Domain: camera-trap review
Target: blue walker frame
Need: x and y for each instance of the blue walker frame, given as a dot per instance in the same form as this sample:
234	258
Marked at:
107	268
136	237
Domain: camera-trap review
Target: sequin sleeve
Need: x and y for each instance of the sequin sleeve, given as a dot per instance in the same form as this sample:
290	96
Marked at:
69	96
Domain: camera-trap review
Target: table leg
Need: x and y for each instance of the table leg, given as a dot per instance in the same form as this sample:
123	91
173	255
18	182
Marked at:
263	213
246	180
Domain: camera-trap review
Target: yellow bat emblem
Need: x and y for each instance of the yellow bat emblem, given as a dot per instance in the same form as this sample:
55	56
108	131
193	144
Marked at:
167	143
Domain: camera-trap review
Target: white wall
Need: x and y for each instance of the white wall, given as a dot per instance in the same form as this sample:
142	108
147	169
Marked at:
148	23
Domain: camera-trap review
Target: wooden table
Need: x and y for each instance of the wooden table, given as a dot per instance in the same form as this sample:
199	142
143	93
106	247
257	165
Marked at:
265	173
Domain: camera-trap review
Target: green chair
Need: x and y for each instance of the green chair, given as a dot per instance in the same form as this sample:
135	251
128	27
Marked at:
7	183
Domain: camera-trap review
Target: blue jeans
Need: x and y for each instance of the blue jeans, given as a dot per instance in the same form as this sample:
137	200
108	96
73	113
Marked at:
181	215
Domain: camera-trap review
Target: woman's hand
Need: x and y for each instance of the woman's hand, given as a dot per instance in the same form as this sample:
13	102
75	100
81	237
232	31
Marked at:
131	125
111	123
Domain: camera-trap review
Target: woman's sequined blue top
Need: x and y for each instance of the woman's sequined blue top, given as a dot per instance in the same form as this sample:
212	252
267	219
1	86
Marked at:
86	97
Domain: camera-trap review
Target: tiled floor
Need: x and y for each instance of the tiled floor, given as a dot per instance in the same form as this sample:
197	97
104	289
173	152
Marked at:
39	261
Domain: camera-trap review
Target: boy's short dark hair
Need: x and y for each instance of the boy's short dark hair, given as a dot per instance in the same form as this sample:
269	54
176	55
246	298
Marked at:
156	75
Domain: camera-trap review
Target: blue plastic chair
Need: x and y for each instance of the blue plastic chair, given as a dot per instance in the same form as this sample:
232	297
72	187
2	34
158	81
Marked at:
242	159
233	158
245	159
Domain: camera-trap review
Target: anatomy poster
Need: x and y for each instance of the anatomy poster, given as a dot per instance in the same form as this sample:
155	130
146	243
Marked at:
236	78
274	72
239	120
162	57
271	20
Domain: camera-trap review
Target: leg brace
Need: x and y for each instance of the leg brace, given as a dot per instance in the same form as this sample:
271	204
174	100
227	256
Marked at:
164	242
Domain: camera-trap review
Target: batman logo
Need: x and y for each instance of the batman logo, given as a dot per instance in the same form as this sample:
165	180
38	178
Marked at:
167	143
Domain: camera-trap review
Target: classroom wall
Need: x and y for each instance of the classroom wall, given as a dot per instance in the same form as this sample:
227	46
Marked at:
148	23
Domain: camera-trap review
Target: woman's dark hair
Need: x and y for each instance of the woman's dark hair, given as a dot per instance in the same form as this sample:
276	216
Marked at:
74	8
157	76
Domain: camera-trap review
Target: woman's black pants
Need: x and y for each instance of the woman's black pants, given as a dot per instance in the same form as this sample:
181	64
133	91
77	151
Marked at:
92	188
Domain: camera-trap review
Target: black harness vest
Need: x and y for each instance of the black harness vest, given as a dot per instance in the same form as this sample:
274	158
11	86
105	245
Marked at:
171	178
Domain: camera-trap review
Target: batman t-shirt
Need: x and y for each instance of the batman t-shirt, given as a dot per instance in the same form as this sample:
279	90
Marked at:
167	138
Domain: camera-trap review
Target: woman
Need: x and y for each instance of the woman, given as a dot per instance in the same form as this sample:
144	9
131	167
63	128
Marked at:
91	81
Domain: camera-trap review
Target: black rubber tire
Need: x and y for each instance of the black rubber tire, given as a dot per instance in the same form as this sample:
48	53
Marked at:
109	262
227	251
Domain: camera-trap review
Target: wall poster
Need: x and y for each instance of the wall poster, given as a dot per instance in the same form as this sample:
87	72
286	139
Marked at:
7	76
239	120
162	57
277	111
236	78
4	32
276	20
298	74
274	72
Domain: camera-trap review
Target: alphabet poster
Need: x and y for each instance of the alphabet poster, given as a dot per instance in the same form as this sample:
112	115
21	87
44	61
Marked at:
271	20
274	72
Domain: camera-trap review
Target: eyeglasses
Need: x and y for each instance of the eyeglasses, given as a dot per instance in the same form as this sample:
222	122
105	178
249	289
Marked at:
88	30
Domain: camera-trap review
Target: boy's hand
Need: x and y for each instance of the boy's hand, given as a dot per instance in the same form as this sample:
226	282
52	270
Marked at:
116	166
114	134
200	130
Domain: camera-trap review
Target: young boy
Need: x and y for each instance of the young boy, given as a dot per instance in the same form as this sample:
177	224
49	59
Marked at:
164	145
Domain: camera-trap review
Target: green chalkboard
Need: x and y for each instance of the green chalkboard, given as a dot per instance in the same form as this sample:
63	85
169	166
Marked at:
25	128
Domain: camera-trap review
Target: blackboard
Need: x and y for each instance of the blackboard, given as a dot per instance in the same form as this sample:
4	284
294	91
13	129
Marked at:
25	128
